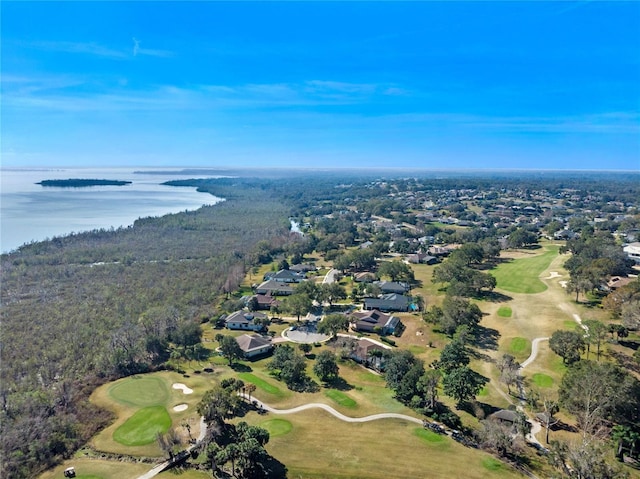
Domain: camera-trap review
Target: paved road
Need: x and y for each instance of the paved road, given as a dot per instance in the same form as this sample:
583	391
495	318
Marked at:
330	277
342	417
534	352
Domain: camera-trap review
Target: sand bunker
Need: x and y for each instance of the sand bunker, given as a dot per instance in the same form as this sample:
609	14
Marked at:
553	274
184	388
563	283
180	407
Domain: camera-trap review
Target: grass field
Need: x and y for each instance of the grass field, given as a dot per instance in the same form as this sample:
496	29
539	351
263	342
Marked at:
522	275
542	380
143	405
277	427
321	446
341	398
519	347
97	469
142	427
261	383
504	312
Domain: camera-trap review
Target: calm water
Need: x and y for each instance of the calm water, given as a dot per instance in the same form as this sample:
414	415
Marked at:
30	212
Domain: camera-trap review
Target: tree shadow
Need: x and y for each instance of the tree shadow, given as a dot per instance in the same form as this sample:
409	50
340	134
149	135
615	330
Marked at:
274	469
563	426
493	296
479	409
339	383
629	344
241	368
486	338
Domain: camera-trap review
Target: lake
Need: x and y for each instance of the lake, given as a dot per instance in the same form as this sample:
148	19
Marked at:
31	212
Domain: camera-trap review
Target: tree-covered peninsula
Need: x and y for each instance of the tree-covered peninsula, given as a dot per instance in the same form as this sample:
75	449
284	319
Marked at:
82	183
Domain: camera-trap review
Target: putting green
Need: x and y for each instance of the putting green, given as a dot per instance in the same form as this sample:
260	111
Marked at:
142	427
518	345
140	391
542	380
277	427
504	312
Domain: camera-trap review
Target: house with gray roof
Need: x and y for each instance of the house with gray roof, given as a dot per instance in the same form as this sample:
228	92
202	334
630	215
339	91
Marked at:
284	276
244	320
254	345
388	302
392	287
274	288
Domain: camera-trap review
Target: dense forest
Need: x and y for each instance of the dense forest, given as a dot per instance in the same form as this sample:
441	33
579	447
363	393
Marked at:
83	309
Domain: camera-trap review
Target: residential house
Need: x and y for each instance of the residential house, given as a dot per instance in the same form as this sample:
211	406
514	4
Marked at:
284	276
374	321
274	288
362	353
632	251
618	282
244	320
392	287
505	416
364	277
266	301
303	268
388	302
253	345
421	258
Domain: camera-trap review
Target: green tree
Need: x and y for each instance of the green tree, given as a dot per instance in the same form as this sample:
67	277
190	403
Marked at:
596	334
428	385
298	305
218	404
396	271
453	356
331	292
326	366
305	348
462	384
229	348
333	323
567	344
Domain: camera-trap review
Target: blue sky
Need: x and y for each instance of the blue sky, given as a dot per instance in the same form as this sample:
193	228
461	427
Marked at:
357	84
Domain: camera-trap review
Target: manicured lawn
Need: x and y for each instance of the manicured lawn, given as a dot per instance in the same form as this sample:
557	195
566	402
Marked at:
504	312
518	346
98	469
321	446
140	391
260	383
522	275
429	436
142	427
277	427
542	380
340	398
492	464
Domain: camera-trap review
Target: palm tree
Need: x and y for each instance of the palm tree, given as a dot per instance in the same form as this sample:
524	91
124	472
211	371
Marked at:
249	388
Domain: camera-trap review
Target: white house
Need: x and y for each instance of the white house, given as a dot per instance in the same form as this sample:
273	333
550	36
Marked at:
245	320
254	345
632	251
